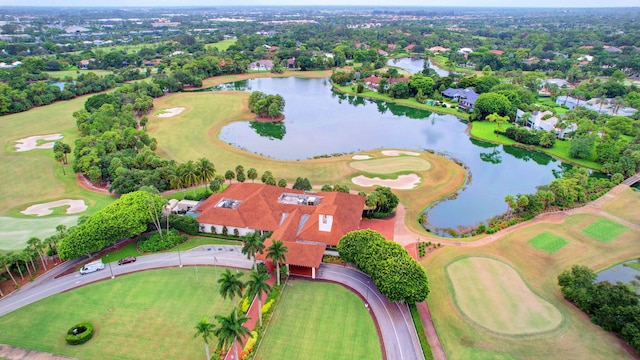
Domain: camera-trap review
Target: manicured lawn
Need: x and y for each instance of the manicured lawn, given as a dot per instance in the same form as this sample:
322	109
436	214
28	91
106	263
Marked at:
221	45
484	130
604	230
145	315
411	102
548	242
75	73
493	295
391	165
320	321
576	337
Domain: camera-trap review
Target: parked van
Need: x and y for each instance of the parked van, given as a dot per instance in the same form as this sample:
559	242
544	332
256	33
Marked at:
91	267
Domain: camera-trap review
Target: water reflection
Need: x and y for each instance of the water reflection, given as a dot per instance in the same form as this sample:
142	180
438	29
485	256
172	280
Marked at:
319	122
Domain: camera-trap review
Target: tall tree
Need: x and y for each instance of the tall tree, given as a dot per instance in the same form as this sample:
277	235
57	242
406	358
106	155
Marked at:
36	244
252	245
229	175
231	286
277	254
5	260
206	170
257	285
252	174
229	329
205	329
190	175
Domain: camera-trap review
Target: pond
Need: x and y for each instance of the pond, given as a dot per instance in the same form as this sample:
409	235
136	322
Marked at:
319	121
628	272
415	65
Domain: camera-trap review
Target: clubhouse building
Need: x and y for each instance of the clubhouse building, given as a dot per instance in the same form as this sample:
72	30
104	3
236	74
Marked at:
307	222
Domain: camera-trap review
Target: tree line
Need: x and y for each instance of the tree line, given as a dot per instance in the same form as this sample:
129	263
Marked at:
614	307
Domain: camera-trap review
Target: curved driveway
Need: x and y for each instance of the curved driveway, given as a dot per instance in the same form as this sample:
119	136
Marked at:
394	320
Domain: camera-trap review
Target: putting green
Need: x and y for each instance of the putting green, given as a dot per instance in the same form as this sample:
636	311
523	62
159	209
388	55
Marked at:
548	242
493	295
391	165
604	230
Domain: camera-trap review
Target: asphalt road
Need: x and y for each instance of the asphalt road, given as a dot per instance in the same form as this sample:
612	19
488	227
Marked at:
394	320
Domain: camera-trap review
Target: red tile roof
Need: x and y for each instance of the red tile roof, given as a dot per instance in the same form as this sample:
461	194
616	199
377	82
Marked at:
260	209
410	47
298	254
497	52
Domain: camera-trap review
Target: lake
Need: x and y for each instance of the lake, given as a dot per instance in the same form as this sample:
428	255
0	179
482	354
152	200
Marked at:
415	65
319	121
621	272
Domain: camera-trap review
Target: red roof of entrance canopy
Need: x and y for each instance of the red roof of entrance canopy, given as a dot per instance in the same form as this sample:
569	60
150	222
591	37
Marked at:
298	254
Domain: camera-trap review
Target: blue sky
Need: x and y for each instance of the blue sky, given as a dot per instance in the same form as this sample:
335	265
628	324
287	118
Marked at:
474	3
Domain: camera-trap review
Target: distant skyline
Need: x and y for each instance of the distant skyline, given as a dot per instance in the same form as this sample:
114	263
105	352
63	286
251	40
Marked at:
390	3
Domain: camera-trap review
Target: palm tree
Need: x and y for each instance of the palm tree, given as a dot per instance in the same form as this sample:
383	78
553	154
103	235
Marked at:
276	253
231	285
190	175
27	257
37	245
175	176
205	329
229	329
206	170
253	244
16	258
257	285
5	260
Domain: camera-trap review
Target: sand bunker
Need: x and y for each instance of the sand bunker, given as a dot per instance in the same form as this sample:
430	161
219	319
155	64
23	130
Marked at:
75	206
403	182
361	157
399	152
170	112
31	142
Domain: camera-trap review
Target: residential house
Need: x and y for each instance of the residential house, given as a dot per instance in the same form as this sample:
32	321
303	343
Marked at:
409	47
603	106
382	52
547	121
291	63
466	98
497	52
438	49
307	222
84	64
261	65
391	47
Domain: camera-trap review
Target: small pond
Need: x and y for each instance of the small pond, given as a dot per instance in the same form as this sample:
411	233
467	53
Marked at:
319	121
415	65
627	272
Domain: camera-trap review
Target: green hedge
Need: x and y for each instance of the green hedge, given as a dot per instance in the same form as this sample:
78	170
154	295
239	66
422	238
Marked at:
422	336
82	337
154	242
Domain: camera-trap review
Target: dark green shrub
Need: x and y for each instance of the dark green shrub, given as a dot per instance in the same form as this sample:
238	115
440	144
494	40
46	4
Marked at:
154	242
225	231
185	224
79	334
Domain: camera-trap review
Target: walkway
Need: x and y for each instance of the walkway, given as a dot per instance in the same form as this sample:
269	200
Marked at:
16	353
